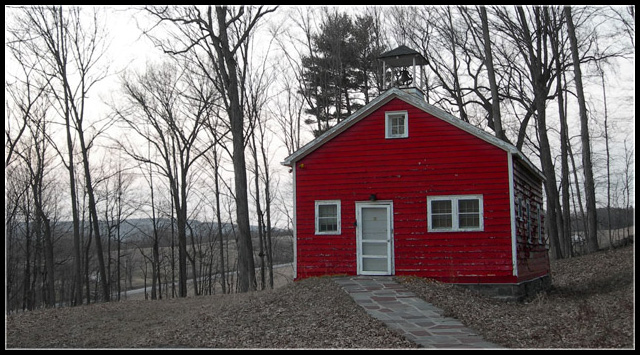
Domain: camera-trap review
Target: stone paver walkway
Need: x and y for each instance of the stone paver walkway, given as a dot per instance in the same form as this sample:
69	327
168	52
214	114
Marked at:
401	310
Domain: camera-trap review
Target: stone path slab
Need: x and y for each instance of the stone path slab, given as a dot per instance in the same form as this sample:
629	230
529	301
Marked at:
416	319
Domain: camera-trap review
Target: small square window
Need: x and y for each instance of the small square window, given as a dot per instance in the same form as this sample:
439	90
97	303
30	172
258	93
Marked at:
396	124
327	217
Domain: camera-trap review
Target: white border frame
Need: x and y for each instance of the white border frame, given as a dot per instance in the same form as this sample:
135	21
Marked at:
454	213
339	213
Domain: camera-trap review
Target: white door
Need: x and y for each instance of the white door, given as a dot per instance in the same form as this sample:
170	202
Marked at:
374	234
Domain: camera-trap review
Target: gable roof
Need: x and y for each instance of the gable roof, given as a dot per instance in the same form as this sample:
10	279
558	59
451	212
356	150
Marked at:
418	103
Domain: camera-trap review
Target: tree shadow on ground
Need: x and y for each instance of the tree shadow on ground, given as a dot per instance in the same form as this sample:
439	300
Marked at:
598	285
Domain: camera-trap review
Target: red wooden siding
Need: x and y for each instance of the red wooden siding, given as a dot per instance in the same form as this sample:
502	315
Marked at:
532	256
436	159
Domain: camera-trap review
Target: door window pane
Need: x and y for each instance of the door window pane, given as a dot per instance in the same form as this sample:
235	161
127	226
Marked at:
377	249
374	223
374	264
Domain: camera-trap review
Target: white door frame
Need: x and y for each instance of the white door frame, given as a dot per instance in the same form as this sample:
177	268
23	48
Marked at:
388	205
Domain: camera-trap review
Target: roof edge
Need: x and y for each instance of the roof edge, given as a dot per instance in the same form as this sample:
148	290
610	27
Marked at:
338	128
420	104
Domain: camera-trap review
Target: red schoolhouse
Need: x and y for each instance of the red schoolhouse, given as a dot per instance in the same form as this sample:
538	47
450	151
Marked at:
404	188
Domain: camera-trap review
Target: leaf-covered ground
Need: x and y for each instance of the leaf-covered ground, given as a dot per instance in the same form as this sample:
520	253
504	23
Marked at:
590	306
313	313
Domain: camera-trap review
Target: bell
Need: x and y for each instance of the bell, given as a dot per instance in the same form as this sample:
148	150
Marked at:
405	78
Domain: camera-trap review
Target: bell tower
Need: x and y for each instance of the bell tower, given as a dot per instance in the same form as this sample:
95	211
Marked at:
402	63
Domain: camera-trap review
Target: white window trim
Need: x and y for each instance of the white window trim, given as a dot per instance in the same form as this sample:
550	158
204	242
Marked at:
387	127
454	213
324	203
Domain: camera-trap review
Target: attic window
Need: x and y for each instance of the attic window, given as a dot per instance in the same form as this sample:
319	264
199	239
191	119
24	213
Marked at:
396	124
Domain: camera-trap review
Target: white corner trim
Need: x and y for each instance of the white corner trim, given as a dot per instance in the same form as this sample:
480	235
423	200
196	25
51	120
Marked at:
512	213
295	228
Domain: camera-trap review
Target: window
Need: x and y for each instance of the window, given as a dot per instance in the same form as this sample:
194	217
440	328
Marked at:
455	213
519	213
539	223
327	217
396	124
527	223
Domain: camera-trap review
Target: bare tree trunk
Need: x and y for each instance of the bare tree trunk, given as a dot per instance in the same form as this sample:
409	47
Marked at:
26	283
564	183
43	227
104	281
155	274
256	174
495	99
223	275
606	142
589	185
228	70
578	190
539	77
564	223
267	199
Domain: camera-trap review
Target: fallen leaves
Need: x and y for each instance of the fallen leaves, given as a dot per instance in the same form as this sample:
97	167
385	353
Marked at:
590	306
313	313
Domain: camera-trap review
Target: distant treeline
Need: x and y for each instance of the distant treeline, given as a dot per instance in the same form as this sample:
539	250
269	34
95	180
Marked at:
620	218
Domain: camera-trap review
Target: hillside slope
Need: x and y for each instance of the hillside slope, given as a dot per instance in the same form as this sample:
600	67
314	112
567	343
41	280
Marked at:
590	306
314	313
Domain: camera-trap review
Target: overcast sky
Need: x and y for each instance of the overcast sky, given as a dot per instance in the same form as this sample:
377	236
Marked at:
130	49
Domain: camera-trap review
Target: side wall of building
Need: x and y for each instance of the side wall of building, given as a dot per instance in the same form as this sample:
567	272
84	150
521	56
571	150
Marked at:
531	242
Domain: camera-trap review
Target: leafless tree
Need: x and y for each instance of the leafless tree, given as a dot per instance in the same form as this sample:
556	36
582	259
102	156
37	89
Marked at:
25	93
170	114
495	116
557	42
220	33
113	187
212	168
589	185
26	133
289	111
257	96
628	181
530	30
69	47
